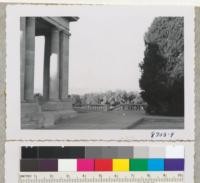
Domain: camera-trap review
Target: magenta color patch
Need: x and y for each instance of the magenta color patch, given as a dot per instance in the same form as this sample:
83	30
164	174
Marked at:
85	165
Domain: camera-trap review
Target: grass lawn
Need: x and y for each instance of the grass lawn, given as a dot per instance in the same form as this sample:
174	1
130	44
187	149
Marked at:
119	120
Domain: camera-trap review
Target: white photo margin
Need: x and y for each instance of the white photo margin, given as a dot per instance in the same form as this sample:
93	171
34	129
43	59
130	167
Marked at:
13	120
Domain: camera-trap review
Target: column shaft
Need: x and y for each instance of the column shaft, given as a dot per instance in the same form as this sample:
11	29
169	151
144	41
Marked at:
64	65
46	74
22	54
54	66
30	59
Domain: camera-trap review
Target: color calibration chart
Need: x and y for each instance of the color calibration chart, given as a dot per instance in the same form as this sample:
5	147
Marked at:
101	164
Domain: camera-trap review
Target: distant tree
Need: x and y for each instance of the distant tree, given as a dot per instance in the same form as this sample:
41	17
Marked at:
110	97
162	79
131	97
76	100
138	99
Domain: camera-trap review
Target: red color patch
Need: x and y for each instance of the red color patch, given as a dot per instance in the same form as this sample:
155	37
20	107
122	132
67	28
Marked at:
103	164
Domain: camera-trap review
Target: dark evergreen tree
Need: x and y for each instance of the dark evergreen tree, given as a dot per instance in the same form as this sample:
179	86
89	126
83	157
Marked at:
153	80
162	80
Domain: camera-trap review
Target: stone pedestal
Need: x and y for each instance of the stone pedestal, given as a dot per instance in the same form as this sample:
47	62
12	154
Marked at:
29	115
35	116
56	106
56	111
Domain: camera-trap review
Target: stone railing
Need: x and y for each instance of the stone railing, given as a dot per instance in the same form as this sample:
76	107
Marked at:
92	107
132	107
106	107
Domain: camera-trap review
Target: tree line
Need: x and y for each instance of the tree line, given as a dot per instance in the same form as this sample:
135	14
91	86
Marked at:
112	98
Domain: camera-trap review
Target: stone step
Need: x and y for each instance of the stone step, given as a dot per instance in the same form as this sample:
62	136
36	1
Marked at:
45	118
29	125
51	118
35	116
27	108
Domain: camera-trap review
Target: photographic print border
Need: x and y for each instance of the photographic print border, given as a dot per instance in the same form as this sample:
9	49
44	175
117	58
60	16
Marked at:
3	67
13	72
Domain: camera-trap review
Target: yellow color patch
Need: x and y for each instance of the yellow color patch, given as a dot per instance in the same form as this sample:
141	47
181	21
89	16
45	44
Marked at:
120	164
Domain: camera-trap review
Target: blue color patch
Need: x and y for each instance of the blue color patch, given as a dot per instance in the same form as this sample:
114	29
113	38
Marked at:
155	164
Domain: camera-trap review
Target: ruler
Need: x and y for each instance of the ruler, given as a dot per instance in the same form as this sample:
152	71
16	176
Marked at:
101	177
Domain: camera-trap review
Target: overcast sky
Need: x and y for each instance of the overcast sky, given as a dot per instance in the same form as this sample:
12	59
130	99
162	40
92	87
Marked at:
105	50
106	47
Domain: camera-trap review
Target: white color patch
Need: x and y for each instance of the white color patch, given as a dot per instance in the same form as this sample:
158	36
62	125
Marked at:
66	165
174	152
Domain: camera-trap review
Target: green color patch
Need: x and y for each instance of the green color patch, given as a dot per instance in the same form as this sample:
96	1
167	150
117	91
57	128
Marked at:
138	164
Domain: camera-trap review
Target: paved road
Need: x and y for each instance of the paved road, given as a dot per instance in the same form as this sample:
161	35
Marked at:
118	120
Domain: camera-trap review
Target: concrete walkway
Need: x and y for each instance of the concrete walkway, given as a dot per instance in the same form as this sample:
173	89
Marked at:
159	122
118	120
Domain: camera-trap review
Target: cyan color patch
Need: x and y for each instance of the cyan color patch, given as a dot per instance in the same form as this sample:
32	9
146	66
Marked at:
155	164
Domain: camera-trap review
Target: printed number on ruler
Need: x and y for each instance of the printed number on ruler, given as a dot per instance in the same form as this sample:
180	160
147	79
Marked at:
103	177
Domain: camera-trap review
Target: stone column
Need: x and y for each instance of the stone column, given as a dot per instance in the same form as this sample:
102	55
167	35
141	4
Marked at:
22	55
54	66
64	65
30	59
46	74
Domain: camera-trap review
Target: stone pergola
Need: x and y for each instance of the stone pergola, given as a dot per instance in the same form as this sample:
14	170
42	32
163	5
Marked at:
55	104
